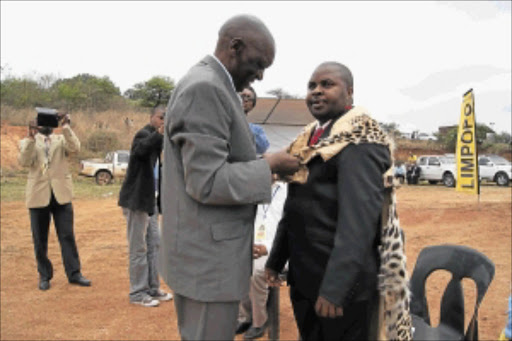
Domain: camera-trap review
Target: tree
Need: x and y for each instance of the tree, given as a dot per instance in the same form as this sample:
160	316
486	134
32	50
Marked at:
153	92
391	129
280	93
46	81
503	137
81	92
450	138
86	92
22	92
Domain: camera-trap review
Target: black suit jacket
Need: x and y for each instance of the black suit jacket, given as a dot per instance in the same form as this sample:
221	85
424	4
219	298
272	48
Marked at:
138	190
331	224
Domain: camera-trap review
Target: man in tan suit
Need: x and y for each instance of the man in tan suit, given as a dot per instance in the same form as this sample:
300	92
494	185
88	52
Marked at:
49	193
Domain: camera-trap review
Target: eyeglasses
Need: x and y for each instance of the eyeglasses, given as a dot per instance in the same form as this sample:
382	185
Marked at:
247	97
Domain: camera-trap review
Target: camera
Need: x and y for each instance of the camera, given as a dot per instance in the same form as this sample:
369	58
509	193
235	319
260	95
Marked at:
47	117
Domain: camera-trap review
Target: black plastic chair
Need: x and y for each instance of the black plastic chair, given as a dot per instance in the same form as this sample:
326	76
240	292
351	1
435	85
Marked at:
462	262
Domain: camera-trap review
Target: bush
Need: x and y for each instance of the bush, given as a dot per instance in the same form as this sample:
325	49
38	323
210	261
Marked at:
151	93
22	92
102	141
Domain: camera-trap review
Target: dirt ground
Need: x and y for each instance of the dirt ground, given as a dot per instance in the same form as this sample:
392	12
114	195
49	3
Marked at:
9	139
430	215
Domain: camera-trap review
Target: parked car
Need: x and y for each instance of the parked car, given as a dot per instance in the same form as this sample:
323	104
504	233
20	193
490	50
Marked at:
495	168
105	170
435	168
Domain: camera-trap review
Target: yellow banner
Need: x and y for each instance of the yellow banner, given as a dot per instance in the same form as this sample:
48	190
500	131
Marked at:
467	157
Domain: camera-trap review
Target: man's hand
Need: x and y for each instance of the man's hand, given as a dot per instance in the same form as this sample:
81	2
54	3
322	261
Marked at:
259	250
64	119
32	129
282	163
325	308
161	129
272	278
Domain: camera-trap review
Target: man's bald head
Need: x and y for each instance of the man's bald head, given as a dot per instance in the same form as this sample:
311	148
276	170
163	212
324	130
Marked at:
246	48
246	27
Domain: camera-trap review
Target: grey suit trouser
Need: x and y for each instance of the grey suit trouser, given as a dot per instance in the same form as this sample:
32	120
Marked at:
199	320
143	243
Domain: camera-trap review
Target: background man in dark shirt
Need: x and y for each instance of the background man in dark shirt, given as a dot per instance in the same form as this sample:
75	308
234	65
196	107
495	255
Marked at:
138	200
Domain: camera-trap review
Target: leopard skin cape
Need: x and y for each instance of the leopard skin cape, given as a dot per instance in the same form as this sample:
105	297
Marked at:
356	126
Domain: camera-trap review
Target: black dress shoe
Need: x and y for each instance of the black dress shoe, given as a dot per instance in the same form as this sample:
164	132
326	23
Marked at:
254	333
242	327
80	280
44	284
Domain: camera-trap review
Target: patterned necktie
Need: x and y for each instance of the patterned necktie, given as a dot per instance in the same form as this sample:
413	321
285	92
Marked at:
314	139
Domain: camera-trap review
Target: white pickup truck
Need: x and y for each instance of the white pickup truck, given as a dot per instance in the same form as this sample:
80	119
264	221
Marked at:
105	170
495	168
435	168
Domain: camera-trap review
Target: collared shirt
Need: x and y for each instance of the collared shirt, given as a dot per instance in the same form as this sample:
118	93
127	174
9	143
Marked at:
227	73
323	126
267	219
318	132
400	170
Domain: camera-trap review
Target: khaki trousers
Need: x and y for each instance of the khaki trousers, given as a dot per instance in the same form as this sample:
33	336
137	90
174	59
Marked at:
254	307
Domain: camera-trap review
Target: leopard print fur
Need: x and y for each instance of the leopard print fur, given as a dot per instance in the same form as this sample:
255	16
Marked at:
393	278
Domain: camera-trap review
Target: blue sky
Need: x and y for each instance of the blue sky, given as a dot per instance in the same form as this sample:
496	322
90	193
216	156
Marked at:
412	61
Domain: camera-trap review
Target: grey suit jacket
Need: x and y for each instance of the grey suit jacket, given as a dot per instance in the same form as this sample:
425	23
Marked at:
211	182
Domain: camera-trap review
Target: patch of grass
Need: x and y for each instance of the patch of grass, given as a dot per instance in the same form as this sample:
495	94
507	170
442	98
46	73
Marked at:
13	189
86	188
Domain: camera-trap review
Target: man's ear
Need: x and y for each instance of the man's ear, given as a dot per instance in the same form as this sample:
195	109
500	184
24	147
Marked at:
236	45
350	91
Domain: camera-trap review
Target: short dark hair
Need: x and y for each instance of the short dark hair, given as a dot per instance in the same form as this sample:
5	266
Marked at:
345	72
156	109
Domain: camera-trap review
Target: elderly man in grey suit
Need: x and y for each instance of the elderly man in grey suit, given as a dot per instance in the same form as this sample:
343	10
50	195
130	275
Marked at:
212	181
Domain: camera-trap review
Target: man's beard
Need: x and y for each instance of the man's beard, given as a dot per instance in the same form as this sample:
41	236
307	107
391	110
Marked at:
45	130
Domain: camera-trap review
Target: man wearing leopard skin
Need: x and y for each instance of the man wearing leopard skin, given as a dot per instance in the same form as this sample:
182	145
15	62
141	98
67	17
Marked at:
332	230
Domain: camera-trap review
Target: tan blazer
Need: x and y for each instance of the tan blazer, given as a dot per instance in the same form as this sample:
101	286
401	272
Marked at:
48	172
